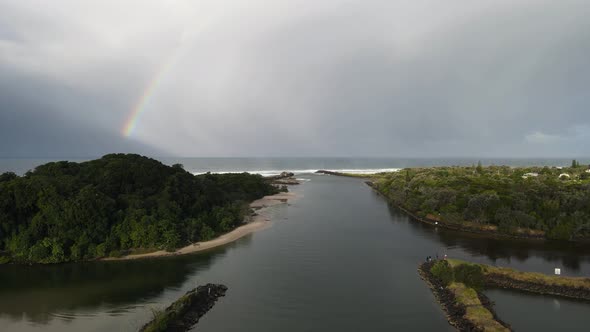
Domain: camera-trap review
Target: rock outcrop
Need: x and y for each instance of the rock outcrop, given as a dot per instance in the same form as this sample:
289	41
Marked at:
285	178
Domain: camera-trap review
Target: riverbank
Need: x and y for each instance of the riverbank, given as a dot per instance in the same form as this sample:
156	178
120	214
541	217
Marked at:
515	202
468	227
259	221
433	220
465	308
185	312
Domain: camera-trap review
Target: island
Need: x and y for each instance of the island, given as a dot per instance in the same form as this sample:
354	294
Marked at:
119	205
520	202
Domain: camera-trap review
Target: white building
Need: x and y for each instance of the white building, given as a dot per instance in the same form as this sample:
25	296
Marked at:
528	175
564	175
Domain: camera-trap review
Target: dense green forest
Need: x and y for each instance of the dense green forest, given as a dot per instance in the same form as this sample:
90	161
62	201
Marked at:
65	211
553	201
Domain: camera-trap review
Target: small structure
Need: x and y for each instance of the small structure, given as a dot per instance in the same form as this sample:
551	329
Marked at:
564	176
587	171
528	175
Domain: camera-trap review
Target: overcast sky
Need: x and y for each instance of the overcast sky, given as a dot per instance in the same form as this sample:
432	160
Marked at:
419	78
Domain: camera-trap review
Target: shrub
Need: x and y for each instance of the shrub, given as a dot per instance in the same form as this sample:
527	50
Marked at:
115	253
563	231
443	271
471	275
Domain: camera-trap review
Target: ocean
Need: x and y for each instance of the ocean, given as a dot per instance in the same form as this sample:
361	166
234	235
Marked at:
305	165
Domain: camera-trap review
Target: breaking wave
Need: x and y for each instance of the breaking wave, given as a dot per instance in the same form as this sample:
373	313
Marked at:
305	171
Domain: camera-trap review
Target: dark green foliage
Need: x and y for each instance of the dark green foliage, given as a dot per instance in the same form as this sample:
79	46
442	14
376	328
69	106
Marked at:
513	199
443	271
65	211
471	275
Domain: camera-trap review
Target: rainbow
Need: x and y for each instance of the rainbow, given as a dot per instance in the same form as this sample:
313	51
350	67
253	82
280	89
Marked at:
153	84
148	92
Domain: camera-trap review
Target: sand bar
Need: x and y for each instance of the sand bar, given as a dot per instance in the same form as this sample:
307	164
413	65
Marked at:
260	221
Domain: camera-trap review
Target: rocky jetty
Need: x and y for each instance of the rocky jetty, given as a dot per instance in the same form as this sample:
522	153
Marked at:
185	312
496	280
285	178
454	310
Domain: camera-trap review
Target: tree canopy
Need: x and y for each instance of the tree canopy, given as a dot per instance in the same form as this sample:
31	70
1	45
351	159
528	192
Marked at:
553	200
65	211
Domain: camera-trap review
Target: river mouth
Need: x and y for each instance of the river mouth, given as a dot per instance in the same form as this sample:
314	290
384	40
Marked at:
338	258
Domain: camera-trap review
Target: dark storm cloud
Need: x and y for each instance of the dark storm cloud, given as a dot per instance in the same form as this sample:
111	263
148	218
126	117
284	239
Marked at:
347	78
40	118
511	82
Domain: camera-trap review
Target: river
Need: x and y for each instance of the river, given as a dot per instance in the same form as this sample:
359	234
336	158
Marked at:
338	258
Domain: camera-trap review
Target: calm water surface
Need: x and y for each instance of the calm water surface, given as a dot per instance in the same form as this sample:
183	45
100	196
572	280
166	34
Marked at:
338	258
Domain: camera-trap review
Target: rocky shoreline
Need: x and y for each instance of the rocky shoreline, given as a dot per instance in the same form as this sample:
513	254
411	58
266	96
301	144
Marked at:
496	280
455	312
285	178
185	312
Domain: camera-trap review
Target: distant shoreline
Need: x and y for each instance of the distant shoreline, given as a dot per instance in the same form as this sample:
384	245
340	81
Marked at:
259	221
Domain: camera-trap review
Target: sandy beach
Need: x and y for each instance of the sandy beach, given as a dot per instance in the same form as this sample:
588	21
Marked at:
260	221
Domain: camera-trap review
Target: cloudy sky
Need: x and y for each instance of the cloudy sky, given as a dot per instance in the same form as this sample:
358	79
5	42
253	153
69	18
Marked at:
420	78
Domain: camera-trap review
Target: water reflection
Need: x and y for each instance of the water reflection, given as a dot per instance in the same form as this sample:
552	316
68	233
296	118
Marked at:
39	294
574	257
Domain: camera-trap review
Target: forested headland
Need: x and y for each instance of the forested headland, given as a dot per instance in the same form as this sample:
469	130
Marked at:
542	202
66	211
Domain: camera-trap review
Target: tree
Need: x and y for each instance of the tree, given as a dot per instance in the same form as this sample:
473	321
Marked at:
479	167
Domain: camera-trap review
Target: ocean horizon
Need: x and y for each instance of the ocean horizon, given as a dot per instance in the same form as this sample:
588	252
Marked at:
268	166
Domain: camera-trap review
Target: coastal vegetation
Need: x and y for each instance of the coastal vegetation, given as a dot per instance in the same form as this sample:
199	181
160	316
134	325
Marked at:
535	202
65	211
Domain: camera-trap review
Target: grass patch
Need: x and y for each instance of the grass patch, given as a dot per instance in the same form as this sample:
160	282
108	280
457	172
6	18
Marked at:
484	319
464	295
475	312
